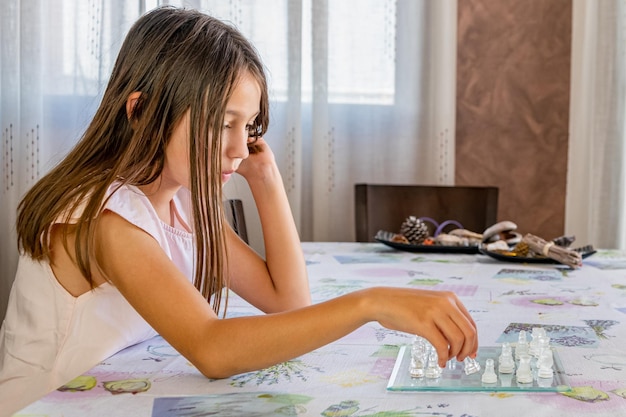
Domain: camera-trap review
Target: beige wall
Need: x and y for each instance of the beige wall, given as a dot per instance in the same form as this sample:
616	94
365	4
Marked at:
513	86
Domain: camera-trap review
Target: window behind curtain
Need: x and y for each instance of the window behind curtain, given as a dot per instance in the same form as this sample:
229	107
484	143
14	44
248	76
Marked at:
362	30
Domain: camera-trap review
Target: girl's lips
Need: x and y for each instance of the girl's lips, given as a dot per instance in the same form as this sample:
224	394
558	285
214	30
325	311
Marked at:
226	175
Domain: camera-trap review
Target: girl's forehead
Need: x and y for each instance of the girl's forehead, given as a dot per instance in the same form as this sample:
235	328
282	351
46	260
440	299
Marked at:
245	99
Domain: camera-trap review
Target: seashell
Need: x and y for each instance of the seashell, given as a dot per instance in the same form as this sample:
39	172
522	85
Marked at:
512	238
466	234
501	231
446	239
498	245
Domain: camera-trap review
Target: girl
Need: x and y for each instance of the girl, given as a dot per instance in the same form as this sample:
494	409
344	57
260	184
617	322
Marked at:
126	237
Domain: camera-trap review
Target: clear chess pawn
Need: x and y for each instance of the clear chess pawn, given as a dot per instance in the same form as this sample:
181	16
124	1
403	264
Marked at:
524	374
506	361
471	366
489	376
545	382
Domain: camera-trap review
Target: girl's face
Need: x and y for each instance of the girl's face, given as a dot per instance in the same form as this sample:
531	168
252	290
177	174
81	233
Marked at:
241	111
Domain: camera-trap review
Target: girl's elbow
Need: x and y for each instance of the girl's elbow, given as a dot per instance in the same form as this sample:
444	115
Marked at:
216	369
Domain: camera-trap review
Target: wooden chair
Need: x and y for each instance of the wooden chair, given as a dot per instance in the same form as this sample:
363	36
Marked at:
385	207
234	214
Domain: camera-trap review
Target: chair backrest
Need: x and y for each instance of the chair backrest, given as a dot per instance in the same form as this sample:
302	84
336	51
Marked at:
385	207
236	218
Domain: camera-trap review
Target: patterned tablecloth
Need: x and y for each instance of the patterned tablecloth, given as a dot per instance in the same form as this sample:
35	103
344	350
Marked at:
583	311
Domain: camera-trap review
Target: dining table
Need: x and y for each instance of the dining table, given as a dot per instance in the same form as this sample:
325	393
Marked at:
365	373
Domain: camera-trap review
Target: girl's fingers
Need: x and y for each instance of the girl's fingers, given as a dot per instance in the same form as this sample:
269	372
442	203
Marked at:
440	343
459	333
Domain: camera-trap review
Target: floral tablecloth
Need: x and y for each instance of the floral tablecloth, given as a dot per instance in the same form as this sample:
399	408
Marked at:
583	310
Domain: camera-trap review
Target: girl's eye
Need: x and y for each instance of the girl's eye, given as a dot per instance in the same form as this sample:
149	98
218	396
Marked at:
254	131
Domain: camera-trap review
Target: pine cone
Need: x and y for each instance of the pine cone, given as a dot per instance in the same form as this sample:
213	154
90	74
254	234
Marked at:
414	229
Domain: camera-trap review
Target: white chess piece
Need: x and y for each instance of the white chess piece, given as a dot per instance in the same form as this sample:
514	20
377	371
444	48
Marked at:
506	361
419	355
545	363
471	366
536	335
524	373
489	376
433	370
522	347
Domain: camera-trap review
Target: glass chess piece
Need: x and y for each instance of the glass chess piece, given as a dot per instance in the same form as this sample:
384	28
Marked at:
471	366
545	363
542	343
489	376
536	335
417	368
506	361
433	370
524	374
419	355
545	382
523	346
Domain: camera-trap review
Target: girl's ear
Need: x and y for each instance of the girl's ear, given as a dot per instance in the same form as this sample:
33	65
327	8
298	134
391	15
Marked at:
131	103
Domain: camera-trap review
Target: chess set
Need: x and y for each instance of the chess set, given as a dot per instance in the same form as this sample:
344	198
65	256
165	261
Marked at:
530	365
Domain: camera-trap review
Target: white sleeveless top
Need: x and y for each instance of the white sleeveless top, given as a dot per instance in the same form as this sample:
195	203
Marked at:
49	337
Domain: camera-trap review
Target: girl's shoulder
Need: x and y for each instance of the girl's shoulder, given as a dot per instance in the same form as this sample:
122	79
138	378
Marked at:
130	203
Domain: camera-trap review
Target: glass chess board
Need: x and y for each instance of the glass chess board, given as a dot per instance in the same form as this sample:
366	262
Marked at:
453	377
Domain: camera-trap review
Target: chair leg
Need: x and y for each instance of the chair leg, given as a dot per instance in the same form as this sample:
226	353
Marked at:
238	220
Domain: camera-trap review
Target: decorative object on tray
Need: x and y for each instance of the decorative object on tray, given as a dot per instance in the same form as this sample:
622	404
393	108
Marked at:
399	242
501	241
560	254
423	234
502	233
531	248
414	230
427	231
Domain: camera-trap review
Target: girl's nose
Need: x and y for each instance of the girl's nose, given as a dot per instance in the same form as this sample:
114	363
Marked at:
237	145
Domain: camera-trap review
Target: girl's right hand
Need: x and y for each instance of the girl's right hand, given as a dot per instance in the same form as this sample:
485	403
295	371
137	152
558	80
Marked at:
259	162
438	316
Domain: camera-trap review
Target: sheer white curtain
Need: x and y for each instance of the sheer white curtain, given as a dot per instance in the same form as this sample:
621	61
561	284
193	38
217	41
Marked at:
55	57
362	91
596	190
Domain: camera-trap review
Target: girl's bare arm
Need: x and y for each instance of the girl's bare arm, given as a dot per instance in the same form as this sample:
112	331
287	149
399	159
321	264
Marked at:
137	266
280	281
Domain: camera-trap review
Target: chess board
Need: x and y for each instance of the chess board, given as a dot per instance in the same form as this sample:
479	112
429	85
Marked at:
454	378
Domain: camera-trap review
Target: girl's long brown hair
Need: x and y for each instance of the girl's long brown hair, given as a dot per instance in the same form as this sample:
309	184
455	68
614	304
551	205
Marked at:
179	60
